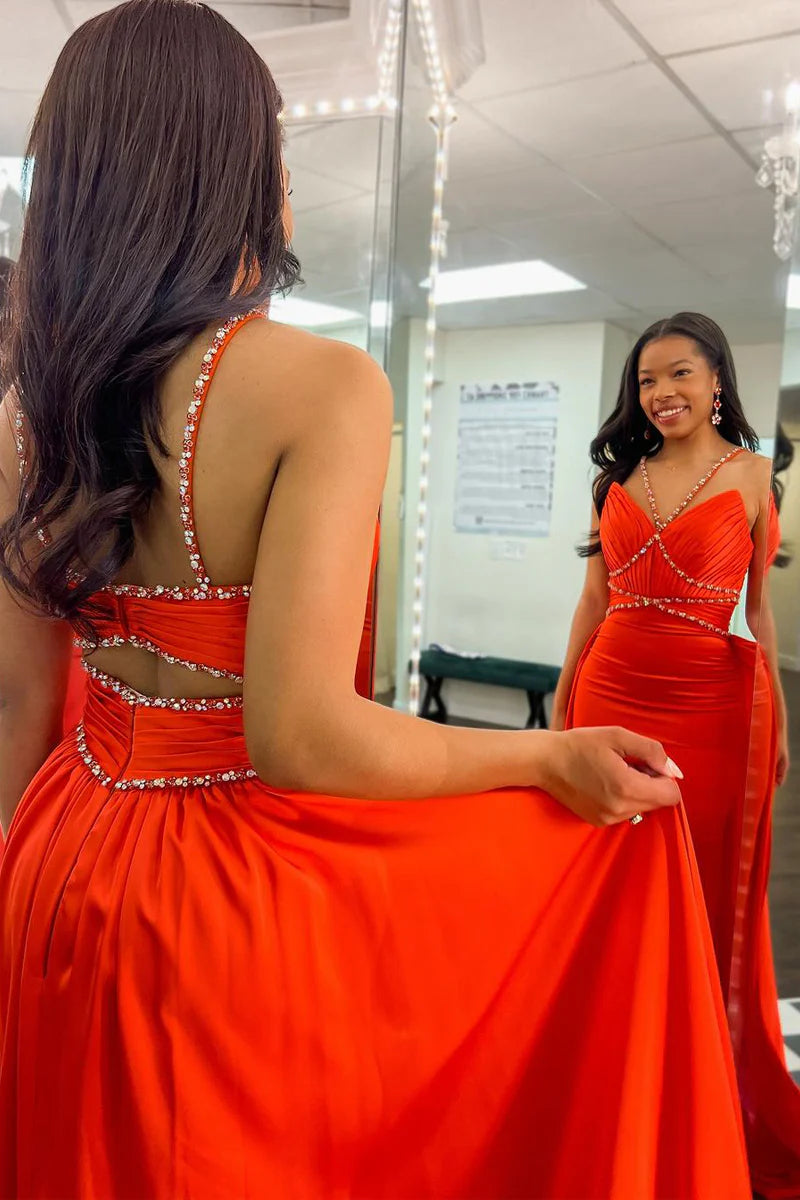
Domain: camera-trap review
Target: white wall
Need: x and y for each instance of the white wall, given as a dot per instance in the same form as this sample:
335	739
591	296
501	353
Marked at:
790	374
617	345
477	601
758	373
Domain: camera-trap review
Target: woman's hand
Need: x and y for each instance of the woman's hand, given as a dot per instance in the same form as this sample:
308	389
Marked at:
606	776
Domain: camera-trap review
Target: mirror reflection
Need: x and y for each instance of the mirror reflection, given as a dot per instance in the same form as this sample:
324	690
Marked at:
611	297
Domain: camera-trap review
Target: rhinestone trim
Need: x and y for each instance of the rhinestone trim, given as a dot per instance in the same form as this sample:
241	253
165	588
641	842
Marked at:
237	775
19	440
648	602
186	461
664	604
118	639
174	703
659	524
235	591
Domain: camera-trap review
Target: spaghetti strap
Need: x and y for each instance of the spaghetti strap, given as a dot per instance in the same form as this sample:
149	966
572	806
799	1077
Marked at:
202	384
687	500
18	426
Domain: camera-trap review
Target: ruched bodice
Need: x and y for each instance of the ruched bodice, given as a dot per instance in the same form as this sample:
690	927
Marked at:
205	635
691	566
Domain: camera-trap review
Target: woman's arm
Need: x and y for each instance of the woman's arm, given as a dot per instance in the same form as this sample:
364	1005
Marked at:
306	727
34	661
590	611
761	621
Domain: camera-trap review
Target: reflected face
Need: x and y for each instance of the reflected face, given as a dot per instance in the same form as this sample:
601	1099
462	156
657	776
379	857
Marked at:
676	386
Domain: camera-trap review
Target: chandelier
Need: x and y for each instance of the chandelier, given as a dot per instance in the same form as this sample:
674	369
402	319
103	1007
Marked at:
780	170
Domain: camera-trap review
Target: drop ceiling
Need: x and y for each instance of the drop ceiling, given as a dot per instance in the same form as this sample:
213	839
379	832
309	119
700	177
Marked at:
617	141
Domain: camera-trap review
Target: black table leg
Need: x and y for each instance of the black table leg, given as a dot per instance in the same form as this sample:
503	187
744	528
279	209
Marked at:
538	717
433	695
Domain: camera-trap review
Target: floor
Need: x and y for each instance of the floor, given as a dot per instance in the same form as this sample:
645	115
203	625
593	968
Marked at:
790	1023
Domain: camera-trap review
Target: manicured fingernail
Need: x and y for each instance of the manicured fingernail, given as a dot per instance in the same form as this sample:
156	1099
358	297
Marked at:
674	770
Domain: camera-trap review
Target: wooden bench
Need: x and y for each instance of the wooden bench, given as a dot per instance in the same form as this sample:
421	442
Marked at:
536	679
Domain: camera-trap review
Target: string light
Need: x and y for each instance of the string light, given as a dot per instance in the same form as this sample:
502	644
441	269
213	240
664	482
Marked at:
441	117
381	103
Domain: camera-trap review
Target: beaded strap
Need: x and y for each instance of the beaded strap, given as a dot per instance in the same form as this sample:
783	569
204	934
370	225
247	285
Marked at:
19	441
186	462
659	524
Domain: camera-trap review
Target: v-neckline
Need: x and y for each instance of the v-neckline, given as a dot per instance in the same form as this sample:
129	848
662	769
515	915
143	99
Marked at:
686	511
660	524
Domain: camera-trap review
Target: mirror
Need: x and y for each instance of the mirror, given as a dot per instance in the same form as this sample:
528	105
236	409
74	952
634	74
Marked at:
592	188
785	872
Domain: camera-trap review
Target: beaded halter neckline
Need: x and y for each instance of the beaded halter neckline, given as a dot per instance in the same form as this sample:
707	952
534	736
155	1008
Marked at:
687	500
713	593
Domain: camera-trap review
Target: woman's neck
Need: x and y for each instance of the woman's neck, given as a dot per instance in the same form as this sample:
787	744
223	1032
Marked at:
700	448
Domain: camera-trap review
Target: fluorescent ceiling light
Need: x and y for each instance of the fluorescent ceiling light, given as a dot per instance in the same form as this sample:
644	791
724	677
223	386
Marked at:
380	313
793	292
309	314
533	278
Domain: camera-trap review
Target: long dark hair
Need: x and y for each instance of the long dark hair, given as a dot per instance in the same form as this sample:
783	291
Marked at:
621	442
156	208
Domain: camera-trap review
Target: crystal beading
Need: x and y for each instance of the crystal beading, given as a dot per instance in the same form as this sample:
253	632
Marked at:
119	639
235	591
665	604
235	775
186	461
659	524
174	703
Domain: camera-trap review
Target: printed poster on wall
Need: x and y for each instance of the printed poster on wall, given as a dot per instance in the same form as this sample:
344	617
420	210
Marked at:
506	458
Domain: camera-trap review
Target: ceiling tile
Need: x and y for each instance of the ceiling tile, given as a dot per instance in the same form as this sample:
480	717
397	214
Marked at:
530	43
623	110
744	85
715	221
677	25
546	236
680	171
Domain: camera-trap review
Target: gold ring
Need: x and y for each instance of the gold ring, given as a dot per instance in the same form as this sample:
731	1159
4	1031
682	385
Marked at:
636	819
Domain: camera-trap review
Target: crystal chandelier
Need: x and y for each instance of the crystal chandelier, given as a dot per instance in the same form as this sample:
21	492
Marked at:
780	170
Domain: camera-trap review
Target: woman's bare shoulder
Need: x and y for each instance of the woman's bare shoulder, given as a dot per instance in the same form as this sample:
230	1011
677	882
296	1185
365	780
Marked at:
288	374
755	468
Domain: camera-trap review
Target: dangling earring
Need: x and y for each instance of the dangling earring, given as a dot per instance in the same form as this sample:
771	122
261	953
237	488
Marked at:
716	419
647	434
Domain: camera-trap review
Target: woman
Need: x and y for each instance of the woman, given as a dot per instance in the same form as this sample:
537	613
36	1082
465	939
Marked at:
683	513
261	937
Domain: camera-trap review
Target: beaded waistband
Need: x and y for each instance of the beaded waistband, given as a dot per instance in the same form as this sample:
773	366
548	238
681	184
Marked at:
236	775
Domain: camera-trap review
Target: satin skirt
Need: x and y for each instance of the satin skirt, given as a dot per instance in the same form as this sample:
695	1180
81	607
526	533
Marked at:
709	699
235	991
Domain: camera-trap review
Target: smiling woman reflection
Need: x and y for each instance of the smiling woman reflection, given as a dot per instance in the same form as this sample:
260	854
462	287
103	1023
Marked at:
683	514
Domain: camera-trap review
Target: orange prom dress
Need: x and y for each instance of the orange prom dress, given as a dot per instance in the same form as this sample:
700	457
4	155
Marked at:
664	664
211	988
